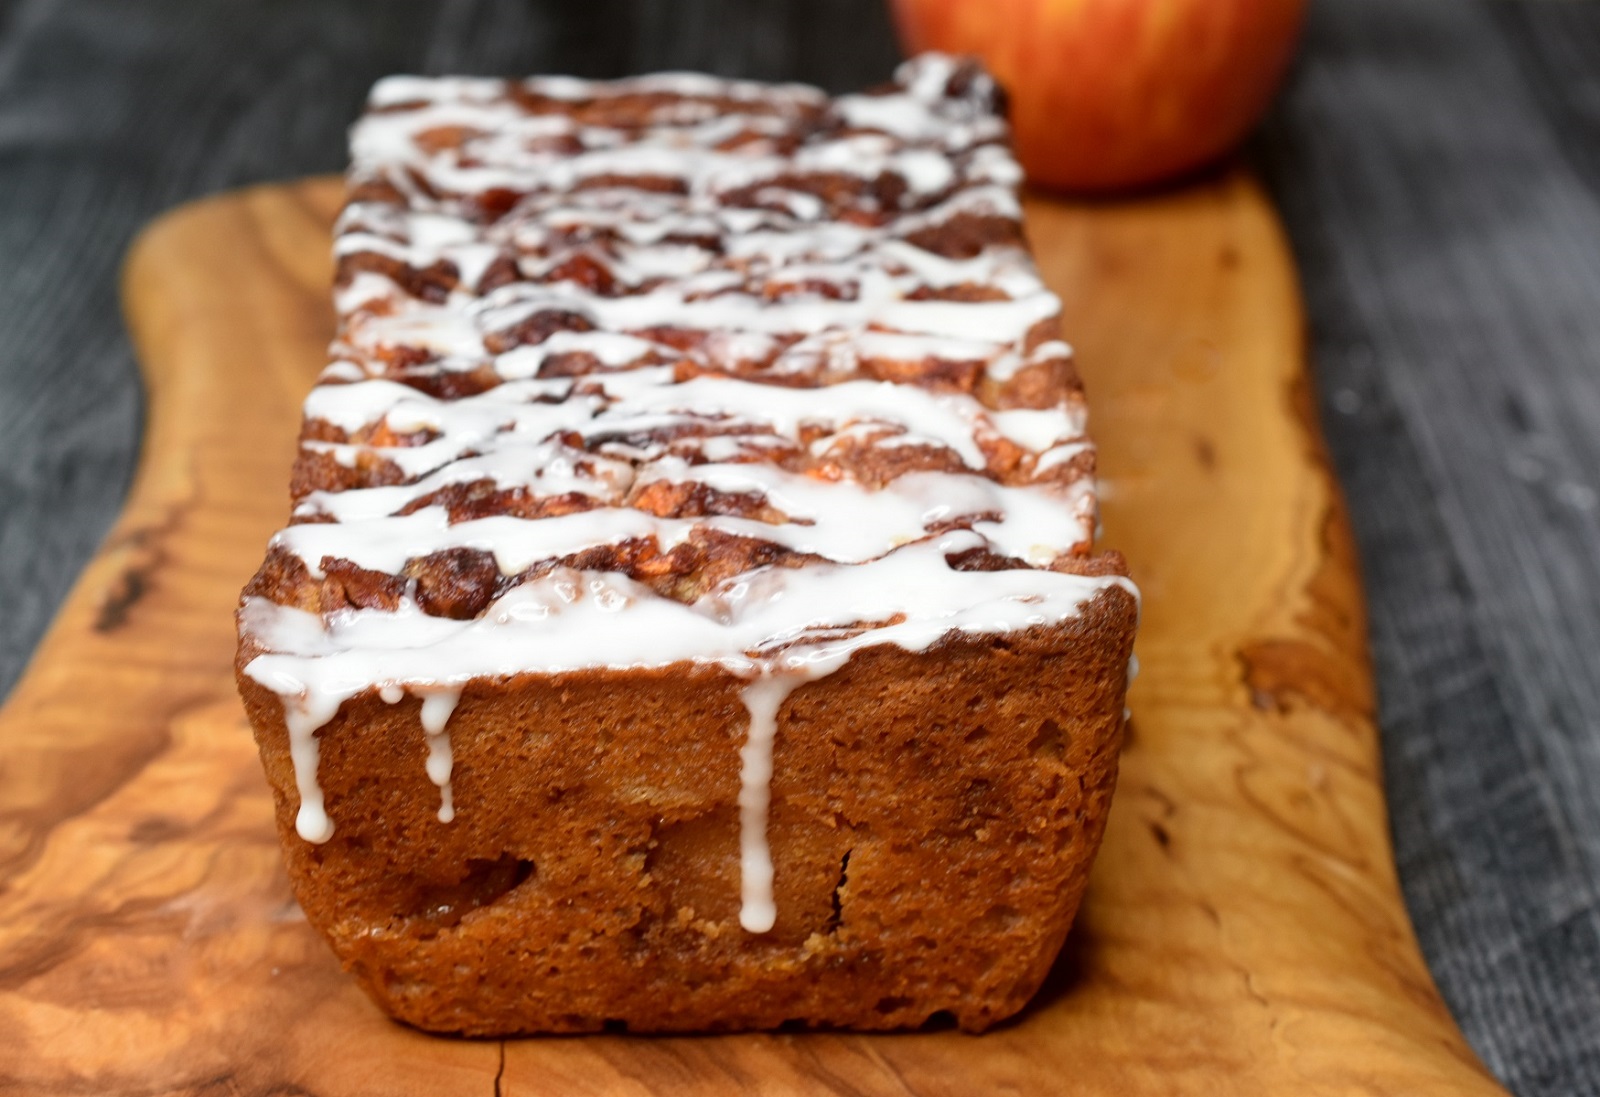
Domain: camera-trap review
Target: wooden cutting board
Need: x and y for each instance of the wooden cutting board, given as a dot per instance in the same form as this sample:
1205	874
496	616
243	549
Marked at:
1243	932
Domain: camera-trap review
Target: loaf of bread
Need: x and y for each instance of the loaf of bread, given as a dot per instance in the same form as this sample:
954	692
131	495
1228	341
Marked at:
688	618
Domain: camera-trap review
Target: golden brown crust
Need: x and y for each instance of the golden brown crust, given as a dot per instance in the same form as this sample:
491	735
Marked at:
934	818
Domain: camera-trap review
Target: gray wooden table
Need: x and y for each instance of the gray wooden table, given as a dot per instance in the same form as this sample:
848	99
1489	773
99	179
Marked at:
1438	165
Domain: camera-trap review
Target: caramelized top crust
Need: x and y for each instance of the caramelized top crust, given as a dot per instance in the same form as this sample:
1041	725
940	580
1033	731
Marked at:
686	335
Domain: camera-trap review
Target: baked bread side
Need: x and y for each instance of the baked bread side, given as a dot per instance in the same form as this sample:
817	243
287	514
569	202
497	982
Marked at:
689	618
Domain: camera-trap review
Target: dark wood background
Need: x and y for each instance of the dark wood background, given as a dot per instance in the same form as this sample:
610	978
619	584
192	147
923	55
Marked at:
1438	167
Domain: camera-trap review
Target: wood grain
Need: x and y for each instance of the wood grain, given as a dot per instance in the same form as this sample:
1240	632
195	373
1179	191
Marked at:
1243	932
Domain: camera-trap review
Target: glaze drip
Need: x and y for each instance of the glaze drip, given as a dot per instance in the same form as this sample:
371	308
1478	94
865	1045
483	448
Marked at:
762	699
437	708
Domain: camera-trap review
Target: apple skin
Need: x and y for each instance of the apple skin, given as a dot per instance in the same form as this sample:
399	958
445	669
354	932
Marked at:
1117	94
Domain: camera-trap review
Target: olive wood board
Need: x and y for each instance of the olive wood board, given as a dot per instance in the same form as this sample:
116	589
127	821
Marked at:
1243	933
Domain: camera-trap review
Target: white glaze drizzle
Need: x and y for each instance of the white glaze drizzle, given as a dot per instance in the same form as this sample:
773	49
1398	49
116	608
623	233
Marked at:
437	707
304	719
788	293
570	620
762	699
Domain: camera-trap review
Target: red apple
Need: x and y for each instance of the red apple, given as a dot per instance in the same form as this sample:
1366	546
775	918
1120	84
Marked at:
1108	94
